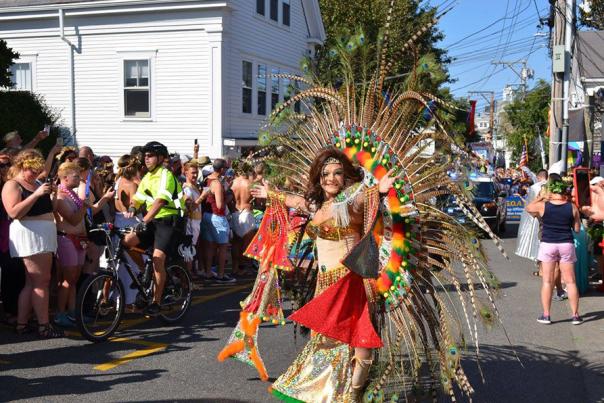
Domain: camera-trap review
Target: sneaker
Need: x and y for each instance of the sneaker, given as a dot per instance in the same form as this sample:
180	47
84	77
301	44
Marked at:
576	320
62	319
546	320
226	279
152	310
560	297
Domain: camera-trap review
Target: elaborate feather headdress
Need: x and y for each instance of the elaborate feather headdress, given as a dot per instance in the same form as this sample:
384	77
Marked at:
423	251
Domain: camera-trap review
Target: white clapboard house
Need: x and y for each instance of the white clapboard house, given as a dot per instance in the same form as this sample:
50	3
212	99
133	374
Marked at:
124	72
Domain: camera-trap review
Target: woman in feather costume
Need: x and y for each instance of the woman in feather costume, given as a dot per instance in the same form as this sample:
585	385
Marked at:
383	323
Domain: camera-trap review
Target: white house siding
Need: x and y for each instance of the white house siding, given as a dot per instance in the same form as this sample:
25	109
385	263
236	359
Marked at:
179	91
44	49
258	39
180	76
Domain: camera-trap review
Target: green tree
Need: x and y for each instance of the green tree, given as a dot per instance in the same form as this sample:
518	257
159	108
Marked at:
27	113
7	55
592	13
352	23
524	119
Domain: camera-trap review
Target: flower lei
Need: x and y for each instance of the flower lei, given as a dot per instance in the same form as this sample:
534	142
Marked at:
72	195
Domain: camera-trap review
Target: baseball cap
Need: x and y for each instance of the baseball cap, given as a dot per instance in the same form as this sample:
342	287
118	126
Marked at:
208	169
595	180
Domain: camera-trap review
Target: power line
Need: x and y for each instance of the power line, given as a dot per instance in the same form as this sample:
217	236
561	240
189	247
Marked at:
483	29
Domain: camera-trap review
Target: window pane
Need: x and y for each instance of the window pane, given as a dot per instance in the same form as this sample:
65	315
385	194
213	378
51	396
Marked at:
260	6
286	13
274	10
247	100
287	89
274	81
274	88
21	76
247	74
143	70
136	73
136	103
261	102
261	78
130	73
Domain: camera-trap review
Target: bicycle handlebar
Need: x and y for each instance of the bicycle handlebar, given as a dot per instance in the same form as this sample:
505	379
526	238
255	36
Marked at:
109	228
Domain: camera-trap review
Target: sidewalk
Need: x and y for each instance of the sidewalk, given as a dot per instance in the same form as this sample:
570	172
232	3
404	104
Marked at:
562	362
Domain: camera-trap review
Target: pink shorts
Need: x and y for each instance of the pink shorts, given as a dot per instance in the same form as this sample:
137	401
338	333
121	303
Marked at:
67	253
557	252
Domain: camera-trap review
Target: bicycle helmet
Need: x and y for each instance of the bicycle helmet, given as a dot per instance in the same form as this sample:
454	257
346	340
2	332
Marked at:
156	148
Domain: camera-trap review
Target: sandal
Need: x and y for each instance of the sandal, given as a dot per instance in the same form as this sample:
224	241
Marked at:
536	273
46	331
23	328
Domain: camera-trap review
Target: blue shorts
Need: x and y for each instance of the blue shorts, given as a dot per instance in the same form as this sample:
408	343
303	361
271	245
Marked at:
215	228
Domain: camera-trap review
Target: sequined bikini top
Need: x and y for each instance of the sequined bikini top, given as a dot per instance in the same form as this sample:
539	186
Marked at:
328	230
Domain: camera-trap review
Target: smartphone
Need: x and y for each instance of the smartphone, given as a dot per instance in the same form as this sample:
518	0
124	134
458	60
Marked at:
581	189
195	141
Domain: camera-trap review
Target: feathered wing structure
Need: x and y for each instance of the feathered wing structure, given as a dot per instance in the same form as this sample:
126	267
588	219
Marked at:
422	251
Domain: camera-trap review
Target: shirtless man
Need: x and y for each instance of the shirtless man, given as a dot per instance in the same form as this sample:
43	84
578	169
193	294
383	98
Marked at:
242	219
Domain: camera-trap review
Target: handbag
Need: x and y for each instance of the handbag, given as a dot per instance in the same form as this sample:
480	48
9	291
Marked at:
363	259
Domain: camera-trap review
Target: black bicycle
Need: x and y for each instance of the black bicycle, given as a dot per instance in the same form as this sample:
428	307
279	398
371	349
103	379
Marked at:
100	302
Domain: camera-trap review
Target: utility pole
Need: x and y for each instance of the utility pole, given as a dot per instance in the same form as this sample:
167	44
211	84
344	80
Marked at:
524	73
559	61
569	32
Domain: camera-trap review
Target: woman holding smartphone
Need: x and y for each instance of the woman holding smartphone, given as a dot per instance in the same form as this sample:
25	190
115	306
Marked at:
559	219
32	237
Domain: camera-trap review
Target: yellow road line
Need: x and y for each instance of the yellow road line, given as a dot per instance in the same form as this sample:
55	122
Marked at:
204	298
5	362
132	356
153	347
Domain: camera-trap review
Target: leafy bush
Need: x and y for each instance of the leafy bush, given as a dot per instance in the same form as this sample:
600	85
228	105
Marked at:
27	113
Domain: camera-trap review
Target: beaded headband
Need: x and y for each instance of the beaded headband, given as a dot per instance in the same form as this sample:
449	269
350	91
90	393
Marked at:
332	160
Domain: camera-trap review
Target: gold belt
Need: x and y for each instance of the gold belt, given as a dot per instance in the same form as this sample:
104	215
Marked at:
329	277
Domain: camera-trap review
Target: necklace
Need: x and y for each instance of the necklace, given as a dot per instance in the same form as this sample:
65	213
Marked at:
72	195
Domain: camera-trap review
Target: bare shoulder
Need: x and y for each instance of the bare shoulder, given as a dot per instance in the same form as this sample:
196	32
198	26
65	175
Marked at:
11	184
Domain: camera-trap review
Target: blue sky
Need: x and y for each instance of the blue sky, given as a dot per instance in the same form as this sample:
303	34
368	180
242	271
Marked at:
507	33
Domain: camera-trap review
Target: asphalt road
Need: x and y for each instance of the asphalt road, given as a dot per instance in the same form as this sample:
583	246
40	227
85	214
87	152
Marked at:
149	362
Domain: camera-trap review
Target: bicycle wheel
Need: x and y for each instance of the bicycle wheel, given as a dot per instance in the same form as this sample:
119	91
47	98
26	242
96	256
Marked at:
176	298
99	306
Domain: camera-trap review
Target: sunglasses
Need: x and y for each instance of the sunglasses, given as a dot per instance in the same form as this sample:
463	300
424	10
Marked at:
5	164
149	155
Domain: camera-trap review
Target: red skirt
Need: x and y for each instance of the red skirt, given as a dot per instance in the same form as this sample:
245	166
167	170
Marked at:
341	312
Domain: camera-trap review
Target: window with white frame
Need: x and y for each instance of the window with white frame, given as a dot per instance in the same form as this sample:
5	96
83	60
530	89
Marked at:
246	84
21	76
261	88
274	10
137	88
274	88
260	7
285	13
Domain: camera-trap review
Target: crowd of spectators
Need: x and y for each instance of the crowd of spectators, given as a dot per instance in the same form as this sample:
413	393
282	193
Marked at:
50	203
